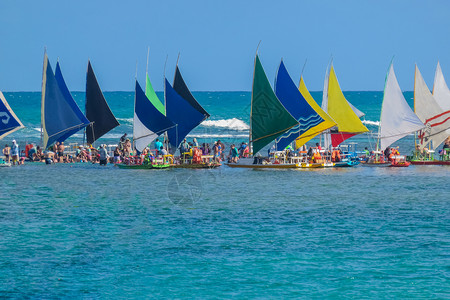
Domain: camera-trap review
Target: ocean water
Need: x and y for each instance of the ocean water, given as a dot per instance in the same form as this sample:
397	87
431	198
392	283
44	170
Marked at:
229	122
85	231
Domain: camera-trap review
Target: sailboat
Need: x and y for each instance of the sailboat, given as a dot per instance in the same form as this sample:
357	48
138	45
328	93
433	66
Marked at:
60	115
269	119
183	109
9	123
308	118
436	120
397	121
99	114
341	111
314	131
148	124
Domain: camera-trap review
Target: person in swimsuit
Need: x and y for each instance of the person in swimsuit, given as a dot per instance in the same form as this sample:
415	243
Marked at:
7	153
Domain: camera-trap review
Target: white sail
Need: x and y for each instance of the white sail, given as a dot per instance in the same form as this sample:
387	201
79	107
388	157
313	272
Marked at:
357	112
142	136
441	93
430	113
397	119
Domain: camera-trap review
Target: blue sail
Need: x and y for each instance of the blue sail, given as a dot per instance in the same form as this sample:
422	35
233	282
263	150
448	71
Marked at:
61	117
291	98
181	113
148	121
8	119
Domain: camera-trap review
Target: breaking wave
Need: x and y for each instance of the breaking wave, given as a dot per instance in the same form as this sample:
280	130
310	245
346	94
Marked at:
223	136
234	124
373	123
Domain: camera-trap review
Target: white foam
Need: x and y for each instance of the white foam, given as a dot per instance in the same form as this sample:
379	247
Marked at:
234	124
206	135
368	122
129	120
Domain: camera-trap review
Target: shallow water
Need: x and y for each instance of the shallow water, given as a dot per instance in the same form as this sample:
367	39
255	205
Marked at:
85	231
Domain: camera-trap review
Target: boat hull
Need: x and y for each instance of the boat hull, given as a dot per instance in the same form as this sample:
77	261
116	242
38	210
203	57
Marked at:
263	166
143	167
430	162
196	166
375	164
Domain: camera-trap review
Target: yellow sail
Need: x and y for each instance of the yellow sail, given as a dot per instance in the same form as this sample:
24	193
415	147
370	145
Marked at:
340	110
312	132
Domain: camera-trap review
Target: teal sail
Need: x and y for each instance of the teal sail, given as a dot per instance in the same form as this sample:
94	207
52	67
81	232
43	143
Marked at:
60	115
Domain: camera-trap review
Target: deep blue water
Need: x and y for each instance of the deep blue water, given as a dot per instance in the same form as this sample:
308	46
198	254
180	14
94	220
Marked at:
85	231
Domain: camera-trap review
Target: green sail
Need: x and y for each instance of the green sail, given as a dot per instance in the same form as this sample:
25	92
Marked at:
151	95
269	119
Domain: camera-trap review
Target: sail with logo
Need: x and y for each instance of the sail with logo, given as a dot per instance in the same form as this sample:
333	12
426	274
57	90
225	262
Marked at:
9	122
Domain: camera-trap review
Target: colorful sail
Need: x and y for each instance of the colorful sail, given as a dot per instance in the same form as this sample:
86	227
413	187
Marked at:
269	119
60	115
430	113
397	119
99	114
348	122
151	95
441	93
296	105
181	88
9	122
148	122
182	113
327	123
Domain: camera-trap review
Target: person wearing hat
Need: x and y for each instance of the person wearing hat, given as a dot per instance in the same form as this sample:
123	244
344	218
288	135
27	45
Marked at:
15	152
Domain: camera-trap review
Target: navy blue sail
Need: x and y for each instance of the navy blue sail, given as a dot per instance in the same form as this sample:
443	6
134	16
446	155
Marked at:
291	98
97	109
8	119
182	113
60	115
181	88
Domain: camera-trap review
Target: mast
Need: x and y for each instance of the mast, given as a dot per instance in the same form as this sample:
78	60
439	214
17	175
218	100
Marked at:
250	145
44	81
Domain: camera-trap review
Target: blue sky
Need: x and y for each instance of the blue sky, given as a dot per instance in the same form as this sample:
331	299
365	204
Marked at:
217	41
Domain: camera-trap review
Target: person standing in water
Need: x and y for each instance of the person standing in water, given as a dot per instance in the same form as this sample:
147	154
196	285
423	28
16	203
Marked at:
7	153
15	153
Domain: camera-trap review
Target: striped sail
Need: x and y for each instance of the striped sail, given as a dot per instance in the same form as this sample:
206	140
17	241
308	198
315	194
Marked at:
327	122
397	119
430	113
9	122
291	98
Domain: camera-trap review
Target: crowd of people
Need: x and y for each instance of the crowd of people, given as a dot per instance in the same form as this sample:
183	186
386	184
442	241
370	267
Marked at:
191	152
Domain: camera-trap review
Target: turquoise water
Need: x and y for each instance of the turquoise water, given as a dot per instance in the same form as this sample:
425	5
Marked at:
89	232
85	231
